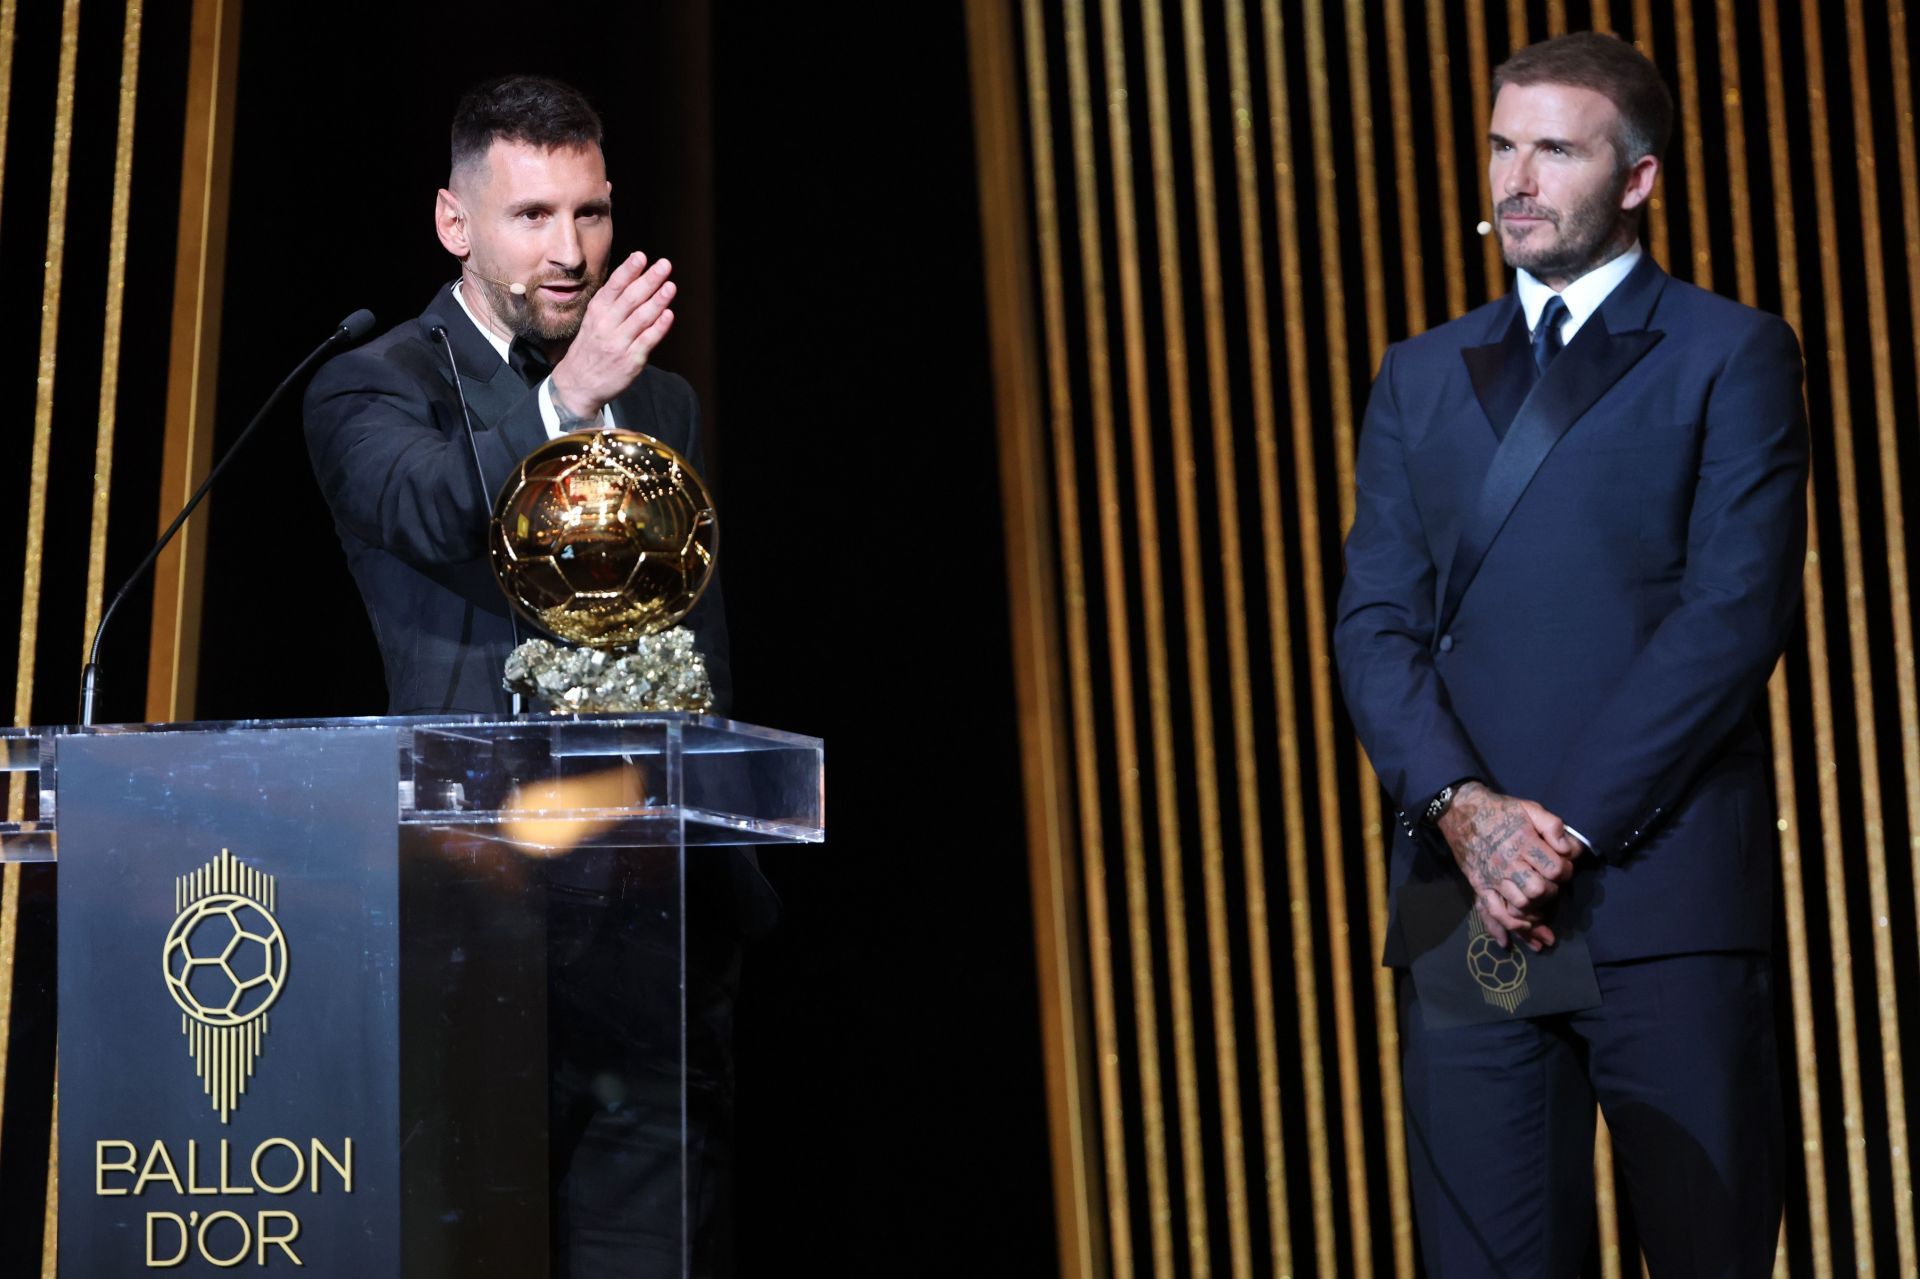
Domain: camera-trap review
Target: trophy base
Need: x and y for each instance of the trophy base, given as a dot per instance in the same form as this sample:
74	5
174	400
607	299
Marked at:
662	672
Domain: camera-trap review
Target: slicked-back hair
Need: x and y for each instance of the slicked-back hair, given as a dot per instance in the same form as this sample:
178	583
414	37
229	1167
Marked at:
530	109
1607	65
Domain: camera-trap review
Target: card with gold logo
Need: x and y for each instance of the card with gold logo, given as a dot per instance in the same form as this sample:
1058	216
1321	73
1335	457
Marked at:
1464	977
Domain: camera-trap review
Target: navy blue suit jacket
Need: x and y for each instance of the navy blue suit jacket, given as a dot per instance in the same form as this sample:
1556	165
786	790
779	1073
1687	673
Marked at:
389	449
1575	586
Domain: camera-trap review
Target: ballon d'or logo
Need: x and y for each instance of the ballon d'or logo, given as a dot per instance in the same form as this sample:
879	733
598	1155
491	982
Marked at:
1499	971
226	961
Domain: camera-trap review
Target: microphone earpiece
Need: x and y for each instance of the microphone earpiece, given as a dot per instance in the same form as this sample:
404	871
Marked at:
514	287
1484	228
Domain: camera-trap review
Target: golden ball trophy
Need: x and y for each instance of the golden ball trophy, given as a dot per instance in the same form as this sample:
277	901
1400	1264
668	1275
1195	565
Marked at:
605	540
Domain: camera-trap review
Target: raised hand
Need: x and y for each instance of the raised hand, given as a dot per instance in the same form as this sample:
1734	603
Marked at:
625	320
1515	854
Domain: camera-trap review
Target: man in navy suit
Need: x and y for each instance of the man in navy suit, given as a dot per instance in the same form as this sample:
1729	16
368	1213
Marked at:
1575	560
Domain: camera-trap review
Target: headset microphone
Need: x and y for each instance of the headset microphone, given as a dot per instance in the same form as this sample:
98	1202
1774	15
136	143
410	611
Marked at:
1484	228
514	287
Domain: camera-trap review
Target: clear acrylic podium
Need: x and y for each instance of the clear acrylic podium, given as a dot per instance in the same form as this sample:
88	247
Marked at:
385	997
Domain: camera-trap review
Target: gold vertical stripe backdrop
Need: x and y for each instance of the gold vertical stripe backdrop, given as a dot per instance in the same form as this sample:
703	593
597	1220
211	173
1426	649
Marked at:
39	449
200	267
1239	317
9	875
210	84
108	413
994	68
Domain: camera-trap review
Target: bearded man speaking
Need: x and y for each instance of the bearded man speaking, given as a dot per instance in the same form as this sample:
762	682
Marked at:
541	333
411	435
1576	557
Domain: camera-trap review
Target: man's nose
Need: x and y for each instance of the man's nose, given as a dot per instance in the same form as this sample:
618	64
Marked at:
563	246
1518	178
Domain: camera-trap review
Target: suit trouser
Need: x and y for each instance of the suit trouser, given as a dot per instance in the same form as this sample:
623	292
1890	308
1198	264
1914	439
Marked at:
1680	1056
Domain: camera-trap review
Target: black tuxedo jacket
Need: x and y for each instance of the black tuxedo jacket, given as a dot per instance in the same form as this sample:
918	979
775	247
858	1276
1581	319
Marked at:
389	448
1574	587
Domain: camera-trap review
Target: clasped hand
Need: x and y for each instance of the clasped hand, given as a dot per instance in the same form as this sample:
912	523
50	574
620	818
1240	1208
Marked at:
1515	854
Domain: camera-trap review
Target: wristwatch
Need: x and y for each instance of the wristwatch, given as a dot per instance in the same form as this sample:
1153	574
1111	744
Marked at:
1439	804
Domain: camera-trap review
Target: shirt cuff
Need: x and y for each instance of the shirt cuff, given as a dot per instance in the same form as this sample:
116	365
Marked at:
550	413
1577	835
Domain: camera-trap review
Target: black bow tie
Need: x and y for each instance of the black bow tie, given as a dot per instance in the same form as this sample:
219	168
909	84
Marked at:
529	362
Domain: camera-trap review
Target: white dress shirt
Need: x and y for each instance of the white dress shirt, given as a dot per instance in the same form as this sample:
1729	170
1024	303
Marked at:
1583	297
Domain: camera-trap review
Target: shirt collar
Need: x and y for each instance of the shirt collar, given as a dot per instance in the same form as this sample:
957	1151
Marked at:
500	344
1583	297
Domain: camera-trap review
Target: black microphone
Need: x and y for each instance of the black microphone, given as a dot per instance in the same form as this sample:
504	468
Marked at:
352	329
439	332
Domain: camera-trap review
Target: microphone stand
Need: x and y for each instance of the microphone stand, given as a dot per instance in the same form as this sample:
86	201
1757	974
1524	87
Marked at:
351	329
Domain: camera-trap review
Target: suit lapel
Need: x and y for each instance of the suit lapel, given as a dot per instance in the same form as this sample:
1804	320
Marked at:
491	387
1612	341
1502	372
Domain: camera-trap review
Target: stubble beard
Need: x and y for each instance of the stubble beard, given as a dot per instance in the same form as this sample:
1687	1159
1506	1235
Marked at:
1587	235
533	318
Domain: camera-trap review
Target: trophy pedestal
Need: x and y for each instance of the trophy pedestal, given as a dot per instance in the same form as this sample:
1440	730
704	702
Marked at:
662	672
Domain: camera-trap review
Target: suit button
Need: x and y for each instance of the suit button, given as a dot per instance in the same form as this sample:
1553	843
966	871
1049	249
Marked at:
1446	643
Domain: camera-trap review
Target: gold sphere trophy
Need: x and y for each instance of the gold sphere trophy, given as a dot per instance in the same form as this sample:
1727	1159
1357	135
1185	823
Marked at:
605	540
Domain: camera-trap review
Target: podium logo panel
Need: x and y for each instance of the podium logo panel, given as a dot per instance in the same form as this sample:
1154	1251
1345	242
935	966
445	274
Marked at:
229	1032
225	960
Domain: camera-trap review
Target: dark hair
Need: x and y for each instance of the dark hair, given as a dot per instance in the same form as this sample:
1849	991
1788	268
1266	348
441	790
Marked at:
1605	64
522	108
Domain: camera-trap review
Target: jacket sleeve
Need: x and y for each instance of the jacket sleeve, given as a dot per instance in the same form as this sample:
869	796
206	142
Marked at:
1385	617
1709	659
396	477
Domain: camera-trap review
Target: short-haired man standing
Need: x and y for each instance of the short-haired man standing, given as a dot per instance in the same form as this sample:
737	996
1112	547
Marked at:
1575	559
411	435
547	334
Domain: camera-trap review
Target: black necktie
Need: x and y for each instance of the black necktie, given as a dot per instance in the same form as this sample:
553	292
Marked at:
527	360
1546	334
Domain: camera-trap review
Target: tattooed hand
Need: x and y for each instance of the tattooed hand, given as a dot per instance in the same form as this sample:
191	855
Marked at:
1515	854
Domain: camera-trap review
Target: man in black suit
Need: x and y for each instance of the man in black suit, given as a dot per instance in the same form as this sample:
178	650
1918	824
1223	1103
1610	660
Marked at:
411	435
548	335
1575	559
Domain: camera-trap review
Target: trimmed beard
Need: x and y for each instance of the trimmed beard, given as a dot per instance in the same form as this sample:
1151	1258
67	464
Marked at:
1587	230
523	317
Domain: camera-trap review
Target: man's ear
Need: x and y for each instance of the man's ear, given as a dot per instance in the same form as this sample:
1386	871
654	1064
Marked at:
1640	178
450	224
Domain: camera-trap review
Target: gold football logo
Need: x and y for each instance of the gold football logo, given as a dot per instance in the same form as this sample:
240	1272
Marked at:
1499	971
226	961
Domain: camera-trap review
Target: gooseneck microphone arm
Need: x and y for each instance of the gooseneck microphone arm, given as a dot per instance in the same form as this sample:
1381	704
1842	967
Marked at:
439	333
352	329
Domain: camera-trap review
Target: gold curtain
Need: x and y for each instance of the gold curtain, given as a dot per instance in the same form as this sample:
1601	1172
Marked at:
1203	223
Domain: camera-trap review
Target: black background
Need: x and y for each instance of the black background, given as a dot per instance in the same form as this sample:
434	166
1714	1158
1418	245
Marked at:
810	171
